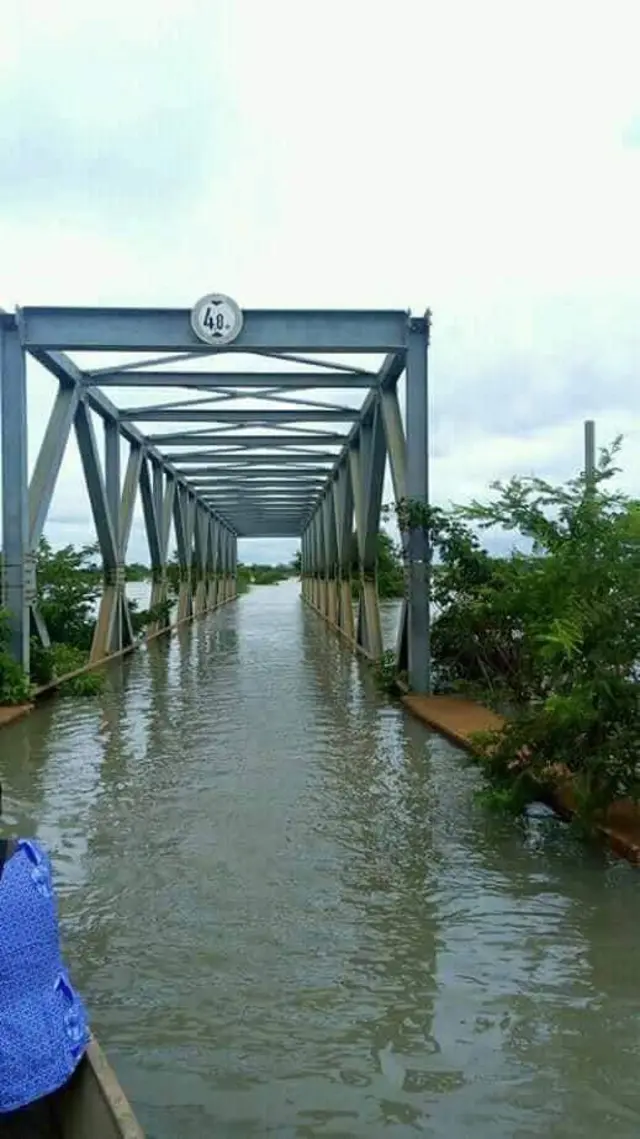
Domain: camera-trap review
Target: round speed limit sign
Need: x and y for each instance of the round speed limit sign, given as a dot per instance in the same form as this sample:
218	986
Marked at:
216	319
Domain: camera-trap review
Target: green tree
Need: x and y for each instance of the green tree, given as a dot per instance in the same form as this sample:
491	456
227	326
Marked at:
68	592
389	567
557	632
14	685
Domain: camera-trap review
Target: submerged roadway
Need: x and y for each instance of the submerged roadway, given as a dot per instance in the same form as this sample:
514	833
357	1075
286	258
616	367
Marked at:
290	915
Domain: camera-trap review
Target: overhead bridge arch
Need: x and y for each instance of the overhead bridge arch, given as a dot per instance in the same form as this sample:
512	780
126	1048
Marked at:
306	459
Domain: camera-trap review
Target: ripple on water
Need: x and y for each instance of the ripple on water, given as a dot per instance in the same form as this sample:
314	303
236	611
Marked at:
290	915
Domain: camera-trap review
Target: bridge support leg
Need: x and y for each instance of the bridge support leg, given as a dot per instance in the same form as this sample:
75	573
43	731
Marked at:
367	464
223	580
15	488
103	495
418	615
330	557
184	507
157	502
342	514
212	599
345	599
201	538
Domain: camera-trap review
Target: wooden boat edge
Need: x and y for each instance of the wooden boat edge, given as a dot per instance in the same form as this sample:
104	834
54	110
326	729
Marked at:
94	1105
112	1093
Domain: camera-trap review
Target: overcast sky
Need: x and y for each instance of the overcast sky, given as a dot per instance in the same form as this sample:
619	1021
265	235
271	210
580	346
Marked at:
482	159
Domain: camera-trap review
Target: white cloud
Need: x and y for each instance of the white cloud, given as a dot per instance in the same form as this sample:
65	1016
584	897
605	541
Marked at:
480	159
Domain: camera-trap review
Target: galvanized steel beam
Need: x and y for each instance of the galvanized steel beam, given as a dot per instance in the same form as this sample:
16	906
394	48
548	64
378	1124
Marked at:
18	584
69	374
418	613
211	381
169	330
49	460
259	416
234	460
251	442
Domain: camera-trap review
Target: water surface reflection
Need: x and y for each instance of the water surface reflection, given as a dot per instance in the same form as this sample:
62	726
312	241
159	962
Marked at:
290	915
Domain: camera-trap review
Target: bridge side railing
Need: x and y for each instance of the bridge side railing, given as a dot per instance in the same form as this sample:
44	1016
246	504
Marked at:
352	500
204	542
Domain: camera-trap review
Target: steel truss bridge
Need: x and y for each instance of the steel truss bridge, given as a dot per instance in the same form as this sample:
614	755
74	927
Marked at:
290	465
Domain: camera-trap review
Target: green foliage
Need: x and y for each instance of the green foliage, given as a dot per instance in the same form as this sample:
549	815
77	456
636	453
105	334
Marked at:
141	619
554	635
389	568
243	579
138	572
267	575
68	658
68	591
386	672
505	799
14	685
42	663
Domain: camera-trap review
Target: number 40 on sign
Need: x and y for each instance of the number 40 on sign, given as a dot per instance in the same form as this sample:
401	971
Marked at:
216	319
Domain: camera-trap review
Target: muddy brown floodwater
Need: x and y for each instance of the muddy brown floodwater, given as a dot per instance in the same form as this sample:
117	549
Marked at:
291	916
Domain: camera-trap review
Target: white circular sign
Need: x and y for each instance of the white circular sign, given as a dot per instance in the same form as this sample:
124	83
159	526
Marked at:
216	319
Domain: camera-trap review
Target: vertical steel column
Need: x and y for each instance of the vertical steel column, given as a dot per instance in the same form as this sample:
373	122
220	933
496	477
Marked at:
234	566
19	585
418	623
374	448
208	553
212	570
228	565
223	565
183	519
322	558
366	463
304	565
201	538
343	512
149	489
102	518
113	580
397	452
159	555
317	563
125	522
331	557
309	563
163	497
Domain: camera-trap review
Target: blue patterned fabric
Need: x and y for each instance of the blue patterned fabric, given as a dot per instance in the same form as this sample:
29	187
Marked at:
43	1024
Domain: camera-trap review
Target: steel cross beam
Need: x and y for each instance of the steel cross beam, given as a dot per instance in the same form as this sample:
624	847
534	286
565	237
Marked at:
239	460
249	442
260	416
251	486
211	381
70	375
169	330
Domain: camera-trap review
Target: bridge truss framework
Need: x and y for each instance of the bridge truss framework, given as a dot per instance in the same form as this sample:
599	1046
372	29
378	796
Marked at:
209	474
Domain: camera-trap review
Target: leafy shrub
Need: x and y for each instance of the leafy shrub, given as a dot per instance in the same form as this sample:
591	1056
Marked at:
554	634
66	659
14	685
